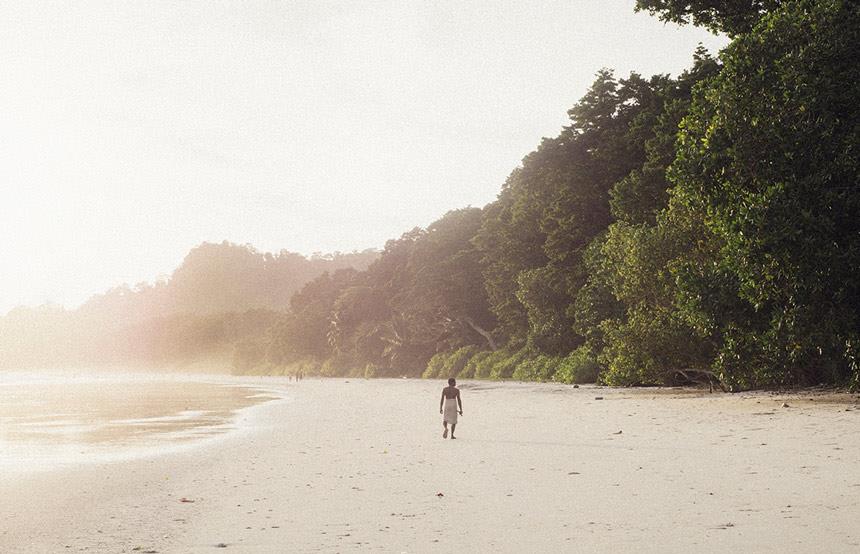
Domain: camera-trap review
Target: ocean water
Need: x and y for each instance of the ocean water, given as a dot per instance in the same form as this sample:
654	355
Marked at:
50	420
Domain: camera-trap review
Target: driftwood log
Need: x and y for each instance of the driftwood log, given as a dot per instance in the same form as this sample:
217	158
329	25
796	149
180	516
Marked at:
698	377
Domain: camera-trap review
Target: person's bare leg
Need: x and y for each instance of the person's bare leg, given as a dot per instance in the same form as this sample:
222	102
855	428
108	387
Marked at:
453	426
445	432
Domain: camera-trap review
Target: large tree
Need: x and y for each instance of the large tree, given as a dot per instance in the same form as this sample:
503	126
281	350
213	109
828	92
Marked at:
769	160
728	16
535	235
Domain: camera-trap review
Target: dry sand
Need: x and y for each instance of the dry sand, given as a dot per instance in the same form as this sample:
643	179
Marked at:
355	465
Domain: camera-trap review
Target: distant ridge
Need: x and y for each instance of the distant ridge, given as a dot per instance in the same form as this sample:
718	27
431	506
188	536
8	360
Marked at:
219	292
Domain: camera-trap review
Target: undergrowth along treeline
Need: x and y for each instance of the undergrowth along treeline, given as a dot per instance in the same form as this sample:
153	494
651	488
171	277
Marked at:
699	225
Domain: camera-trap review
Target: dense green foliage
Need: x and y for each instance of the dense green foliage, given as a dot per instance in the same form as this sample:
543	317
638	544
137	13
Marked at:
703	225
424	295
730	16
769	160
698	227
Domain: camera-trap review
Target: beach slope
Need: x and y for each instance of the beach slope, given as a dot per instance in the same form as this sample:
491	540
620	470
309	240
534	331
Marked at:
356	465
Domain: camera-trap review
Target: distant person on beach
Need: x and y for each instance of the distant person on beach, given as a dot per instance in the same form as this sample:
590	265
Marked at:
448	407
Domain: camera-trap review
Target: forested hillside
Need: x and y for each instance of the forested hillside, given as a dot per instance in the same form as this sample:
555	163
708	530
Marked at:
219	294
704	224
701	226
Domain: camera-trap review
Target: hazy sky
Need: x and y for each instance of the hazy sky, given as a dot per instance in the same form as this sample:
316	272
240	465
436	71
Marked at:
132	131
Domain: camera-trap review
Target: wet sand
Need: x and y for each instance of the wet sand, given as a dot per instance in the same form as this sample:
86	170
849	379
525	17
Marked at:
55	420
360	466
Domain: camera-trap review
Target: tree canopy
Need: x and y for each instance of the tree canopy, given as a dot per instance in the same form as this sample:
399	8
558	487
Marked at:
729	16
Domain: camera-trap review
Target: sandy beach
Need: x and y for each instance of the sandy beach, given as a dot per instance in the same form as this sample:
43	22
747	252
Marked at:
360	466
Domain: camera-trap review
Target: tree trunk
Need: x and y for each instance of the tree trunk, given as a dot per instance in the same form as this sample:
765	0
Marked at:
483	332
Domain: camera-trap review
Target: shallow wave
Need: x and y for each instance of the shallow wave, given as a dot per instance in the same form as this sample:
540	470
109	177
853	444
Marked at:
57	420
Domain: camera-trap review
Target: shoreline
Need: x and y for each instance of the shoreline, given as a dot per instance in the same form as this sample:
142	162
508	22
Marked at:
54	421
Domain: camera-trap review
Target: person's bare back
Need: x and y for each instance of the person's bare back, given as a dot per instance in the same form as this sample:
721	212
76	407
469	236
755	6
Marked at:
450	405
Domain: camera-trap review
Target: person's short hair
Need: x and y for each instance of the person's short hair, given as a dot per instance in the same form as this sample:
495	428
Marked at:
452	381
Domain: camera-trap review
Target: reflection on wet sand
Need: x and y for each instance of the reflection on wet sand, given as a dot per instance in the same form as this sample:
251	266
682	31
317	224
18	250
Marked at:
56	421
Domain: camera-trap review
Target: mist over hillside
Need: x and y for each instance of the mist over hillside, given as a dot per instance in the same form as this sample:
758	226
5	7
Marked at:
220	293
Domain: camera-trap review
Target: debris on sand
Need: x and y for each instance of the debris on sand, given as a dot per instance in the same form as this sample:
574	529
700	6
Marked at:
785	405
221	545
439	494
618	432
186	500
598	398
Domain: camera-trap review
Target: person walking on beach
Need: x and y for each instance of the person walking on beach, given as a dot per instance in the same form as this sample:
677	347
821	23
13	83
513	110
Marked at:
448	407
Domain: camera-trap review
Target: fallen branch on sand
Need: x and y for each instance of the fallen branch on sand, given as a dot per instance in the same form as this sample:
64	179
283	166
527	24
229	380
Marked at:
698	377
